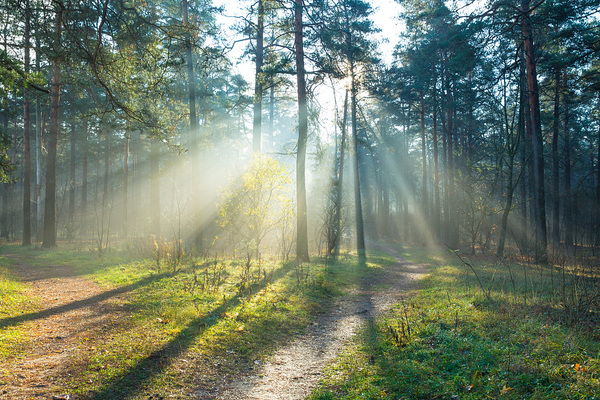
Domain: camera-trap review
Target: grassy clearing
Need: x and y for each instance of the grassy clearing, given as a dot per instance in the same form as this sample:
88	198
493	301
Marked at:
14	300
185	326
519	334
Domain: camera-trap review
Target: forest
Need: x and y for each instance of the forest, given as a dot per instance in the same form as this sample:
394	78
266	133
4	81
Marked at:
238	142
123	120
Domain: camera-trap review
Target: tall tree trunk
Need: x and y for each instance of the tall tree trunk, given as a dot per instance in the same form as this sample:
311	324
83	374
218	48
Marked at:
84	167
258	82
524	157
360	232
340	181
302	220
194	125
39	121
598	184
555	160
271	114
4	231
436	177
452	229
27	136
155	188
541	255
191	90
568	203
72	174
510	190
49	238
425	200
126	184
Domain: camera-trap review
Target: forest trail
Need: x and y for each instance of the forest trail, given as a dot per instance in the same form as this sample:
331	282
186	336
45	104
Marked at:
294	370
74	309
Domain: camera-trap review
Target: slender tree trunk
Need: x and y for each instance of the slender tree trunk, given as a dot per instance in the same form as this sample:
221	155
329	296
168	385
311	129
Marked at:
436	177
107	140
424	157
446	206
340	191
568	203
541	255
39	121
360	233
452	239
258	82
27	136
271	115
302	220
49	239
72	175
84	168
155	188
521	126
598	184
126	184
4	231
555	160
191	95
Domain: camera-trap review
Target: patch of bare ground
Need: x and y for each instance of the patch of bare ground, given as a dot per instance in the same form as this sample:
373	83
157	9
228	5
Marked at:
73	309
295	369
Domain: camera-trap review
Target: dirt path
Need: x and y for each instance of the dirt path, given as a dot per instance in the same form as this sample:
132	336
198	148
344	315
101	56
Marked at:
294	370
73	308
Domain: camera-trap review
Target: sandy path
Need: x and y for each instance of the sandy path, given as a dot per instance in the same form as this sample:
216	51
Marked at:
73	308
294	370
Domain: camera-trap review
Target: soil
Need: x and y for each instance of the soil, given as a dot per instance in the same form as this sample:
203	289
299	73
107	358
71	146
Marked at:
294	370
75	309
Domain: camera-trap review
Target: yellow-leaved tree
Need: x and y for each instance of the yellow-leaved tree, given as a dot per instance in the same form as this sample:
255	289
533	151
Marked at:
257	207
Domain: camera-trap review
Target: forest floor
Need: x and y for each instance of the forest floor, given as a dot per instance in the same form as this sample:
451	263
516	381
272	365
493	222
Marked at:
295	369
74	325
72	309
74	315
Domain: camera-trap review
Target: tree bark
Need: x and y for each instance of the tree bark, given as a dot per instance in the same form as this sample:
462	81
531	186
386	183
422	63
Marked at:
155	188
27	136
340	181
84	168
49	238
436	178
541	255
568	202
598	185
126	184
360	232
302	220
72	163
425	200
555	160
39	121
258	82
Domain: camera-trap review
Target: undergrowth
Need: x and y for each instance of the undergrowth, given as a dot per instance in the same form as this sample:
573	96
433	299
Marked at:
473	334
175	329
14	300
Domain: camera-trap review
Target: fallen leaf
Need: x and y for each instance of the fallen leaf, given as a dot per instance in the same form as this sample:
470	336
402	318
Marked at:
505	390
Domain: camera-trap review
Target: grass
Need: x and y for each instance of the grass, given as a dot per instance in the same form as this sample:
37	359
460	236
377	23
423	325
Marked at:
14	300
173	330
515	336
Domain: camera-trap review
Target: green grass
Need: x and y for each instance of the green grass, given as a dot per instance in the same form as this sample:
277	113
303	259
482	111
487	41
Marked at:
515	339
14	300
174	331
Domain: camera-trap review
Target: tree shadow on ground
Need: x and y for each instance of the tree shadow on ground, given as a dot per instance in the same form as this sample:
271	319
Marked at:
11	321
134	380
